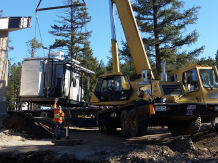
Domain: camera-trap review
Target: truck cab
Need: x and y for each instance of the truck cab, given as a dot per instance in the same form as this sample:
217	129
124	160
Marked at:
114	87
200	83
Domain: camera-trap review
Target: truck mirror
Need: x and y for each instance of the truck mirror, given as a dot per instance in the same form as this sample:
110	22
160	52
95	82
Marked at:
184	79
189	87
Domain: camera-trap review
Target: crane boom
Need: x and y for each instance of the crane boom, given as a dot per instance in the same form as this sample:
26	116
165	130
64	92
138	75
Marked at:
133	37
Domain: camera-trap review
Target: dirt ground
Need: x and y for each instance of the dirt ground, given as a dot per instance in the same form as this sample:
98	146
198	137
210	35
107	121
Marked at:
88	145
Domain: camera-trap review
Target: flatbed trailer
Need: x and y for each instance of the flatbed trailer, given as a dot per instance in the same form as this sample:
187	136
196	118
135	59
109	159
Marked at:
82	115
50	101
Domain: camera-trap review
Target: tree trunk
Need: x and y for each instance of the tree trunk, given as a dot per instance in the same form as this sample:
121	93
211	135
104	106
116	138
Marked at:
156	36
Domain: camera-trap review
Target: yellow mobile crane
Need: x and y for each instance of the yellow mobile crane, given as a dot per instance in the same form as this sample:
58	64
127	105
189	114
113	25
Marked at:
134	105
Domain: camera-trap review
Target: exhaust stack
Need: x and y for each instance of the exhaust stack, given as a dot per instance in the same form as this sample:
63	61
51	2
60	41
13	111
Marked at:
163	73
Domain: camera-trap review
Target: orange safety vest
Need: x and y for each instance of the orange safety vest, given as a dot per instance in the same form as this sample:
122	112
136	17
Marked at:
58	115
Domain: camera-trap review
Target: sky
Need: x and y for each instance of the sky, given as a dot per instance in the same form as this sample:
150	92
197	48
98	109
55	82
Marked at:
206	26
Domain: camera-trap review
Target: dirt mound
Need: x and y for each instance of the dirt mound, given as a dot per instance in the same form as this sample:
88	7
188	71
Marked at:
203	145
28	125
182	144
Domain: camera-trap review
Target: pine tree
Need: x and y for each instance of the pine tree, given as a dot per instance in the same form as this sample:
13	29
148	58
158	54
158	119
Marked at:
87	60
1	13
126	65
101	68
13	90
207	61
71	34
72	37
163	24
33	46
216	58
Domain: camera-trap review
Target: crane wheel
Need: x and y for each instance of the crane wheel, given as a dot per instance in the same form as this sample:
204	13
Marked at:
194	126
136	127
124	123
189	127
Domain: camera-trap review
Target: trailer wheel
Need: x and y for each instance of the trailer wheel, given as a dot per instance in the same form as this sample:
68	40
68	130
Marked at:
186	127
136	127
44	115
124	123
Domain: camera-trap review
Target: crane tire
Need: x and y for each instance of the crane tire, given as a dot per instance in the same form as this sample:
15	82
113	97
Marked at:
189	127
124	123
136	127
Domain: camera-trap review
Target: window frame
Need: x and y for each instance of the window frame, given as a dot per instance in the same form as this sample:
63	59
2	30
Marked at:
214	75
100	91
186	84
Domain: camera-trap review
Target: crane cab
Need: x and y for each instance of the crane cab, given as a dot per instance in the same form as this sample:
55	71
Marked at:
112	89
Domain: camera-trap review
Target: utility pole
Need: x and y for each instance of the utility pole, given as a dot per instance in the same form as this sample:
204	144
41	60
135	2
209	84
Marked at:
7	24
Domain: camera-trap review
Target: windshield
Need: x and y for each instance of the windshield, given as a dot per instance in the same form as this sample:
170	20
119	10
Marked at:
113	88
171	89
208	78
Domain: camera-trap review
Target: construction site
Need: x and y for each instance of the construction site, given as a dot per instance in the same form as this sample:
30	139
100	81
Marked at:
172	117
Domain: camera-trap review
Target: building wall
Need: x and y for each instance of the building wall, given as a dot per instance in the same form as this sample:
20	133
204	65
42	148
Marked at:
3	71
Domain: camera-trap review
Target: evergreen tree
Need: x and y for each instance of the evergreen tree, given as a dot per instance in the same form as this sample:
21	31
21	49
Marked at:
163	23
33	46
72	37
126	65
101	69
87	60
109	65
71	34
13	90
1	13
207	61
216	58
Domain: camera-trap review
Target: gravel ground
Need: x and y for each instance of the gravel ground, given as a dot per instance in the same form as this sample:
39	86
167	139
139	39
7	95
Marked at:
158	145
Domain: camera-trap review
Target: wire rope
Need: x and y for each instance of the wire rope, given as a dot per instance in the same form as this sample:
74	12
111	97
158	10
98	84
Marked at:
37	25
40	35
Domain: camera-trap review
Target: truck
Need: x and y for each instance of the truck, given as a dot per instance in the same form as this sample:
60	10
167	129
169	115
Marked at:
200	84
135	105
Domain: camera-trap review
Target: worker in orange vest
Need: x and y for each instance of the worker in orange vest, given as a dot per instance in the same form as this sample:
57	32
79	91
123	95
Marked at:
58	120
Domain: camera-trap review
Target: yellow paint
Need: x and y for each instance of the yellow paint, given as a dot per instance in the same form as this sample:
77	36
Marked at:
202	95
115	57
135	44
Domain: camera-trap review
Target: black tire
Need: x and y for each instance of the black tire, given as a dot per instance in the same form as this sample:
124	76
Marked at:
189	127
124	123
194	126
136	127
44	114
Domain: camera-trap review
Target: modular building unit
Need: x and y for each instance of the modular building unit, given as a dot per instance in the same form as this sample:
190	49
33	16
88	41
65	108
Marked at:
49	78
